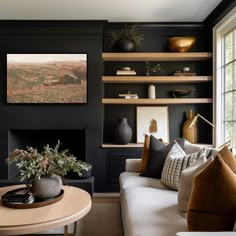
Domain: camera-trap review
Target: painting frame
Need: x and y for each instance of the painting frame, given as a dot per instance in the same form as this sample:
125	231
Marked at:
47	78
152	120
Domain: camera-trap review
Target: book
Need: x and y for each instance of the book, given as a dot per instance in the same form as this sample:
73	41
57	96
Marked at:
128	95
125	72
185	73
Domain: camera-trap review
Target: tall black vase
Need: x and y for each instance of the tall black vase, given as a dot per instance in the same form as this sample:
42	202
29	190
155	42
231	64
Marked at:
123	132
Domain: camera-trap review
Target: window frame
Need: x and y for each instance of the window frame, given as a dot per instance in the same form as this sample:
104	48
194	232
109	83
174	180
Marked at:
227	24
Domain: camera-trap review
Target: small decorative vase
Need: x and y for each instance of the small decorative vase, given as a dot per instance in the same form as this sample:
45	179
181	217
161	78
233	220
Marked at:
47	186
123	132
126	45
151	92
190	133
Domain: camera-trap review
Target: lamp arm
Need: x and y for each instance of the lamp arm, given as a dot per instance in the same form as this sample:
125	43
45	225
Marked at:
206	120
193	122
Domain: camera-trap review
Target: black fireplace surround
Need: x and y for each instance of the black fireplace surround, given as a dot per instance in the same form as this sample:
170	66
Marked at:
73	140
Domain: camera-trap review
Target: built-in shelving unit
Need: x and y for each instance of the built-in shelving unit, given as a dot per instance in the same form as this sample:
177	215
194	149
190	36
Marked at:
157	56
164	79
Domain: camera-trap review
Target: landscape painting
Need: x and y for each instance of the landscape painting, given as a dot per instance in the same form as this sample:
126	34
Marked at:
47	78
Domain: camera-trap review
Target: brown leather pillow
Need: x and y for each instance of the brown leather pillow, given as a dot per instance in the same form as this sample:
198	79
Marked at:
228	157
212	203
145	153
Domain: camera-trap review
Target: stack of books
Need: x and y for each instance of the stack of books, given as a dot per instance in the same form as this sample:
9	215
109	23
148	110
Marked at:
180	73
18	196
128	95
125	71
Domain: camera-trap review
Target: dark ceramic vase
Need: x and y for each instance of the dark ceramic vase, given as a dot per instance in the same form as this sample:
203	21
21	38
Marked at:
126	45
47	187
123	132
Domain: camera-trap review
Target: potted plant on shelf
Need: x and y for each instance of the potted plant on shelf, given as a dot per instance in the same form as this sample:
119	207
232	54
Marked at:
43	171
127	39
150	68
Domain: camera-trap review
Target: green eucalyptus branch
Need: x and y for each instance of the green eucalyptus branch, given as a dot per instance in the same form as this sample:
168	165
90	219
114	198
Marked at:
33	164
150	68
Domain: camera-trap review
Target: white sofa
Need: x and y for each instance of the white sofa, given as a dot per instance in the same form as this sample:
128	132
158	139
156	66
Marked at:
150	209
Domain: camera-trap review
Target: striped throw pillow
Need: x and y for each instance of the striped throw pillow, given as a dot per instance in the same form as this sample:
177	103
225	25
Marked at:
176	161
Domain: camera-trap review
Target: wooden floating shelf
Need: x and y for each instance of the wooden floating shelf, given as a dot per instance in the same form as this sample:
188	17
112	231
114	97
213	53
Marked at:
156	79
129	145
140	145
157	56
156	101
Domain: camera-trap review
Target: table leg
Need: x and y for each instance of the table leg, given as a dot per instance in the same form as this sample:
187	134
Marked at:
65	230
74	230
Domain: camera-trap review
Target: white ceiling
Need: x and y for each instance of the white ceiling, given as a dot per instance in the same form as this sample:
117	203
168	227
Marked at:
111	10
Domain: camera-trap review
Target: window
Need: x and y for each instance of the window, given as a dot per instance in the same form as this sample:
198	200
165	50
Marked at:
225	83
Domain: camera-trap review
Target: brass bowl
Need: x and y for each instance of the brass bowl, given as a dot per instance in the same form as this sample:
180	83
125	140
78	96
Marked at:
181	44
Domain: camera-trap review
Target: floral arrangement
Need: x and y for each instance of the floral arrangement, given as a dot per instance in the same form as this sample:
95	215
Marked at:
33	164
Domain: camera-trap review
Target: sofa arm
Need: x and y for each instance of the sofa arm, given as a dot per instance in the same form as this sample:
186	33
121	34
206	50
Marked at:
132	165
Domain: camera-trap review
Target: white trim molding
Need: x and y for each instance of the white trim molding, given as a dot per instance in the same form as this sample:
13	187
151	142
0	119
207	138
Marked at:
220	29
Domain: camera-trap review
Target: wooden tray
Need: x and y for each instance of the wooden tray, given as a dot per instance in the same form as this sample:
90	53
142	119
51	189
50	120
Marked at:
39	202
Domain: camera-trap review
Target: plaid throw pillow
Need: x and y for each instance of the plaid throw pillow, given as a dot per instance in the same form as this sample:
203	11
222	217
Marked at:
177	160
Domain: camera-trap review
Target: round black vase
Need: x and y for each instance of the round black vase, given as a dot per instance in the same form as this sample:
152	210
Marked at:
126	45
123	132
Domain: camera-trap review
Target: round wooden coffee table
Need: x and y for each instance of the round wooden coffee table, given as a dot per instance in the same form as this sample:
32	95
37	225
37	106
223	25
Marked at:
74	205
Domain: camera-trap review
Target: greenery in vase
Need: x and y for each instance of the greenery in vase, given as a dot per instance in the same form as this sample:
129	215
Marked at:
130	32
33	164
150	68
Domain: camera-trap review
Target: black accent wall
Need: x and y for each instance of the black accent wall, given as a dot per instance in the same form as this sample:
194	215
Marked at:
55	37
95	119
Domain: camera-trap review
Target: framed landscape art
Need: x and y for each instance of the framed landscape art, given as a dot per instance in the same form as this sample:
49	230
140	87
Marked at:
47	78
152	121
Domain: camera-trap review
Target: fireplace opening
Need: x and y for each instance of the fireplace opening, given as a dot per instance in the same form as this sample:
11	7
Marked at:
73	140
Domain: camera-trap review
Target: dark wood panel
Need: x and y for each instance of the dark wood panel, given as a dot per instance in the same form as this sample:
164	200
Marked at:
116	162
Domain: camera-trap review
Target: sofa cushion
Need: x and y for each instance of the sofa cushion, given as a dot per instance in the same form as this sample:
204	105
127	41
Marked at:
150	211
186	181
130	179
157	155
177	160
190	148
212	203
145	153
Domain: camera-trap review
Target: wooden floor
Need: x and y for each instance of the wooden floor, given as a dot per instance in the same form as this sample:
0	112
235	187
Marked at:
104	219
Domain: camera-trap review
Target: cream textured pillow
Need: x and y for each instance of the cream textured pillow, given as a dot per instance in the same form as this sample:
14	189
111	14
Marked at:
176	161
186	181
